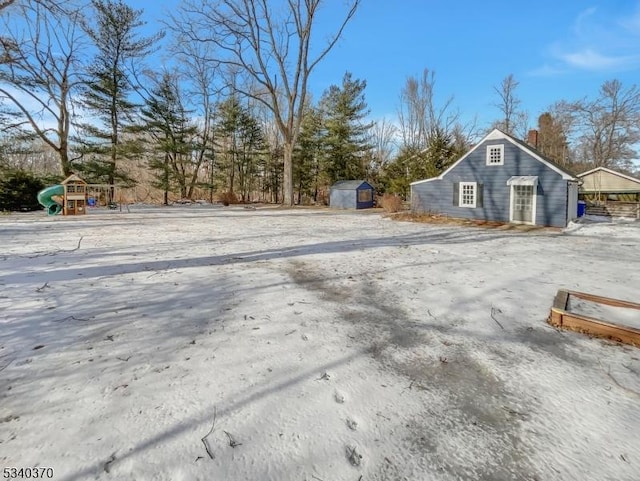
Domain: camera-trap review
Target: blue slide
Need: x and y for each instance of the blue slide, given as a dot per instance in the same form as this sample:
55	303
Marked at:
45	198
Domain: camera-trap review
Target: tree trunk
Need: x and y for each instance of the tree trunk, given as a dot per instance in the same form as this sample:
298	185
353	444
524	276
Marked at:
165	179
64	159
287	178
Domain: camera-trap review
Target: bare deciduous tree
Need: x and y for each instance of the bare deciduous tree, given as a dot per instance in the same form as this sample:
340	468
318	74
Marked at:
31	155
273	53
40	73
5	3
45	3
608	128
383	140
420	118
514	121
196	64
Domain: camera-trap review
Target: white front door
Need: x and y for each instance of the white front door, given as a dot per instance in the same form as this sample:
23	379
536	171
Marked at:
523	204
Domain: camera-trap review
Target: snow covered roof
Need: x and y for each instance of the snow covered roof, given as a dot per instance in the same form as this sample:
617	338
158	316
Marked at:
523	180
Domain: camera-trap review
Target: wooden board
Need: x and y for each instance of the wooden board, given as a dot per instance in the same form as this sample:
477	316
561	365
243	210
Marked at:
561	316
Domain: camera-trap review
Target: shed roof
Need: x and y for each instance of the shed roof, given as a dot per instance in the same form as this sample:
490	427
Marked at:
349	184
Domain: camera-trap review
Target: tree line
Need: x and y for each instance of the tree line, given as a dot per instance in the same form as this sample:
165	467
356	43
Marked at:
228	109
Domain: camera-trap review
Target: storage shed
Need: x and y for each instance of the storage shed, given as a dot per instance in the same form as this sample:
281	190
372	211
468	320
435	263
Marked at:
501	179
351	194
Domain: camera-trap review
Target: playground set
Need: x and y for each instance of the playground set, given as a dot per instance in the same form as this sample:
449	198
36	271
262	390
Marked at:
73	196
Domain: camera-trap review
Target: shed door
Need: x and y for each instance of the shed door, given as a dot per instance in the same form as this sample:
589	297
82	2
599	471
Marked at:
523	204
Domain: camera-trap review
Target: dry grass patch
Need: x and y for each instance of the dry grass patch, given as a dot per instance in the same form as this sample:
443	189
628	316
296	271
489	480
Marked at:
430	218
227	198
390	203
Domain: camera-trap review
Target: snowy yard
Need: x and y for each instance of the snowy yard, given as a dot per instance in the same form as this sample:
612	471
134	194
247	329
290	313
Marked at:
318	345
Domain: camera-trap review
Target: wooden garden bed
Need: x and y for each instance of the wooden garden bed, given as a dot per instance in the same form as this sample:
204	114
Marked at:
597	316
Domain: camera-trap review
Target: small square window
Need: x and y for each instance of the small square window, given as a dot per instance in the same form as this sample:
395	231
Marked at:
468	192
495	154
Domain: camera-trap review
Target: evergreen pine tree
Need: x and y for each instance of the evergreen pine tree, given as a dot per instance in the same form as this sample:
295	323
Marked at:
308	156
169	136
346	136
240	143
114	31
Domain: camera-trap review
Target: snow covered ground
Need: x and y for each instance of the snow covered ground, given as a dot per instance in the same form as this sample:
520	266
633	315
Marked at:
210	343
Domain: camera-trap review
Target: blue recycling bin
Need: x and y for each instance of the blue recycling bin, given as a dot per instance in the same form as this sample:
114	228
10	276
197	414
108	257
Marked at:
582	208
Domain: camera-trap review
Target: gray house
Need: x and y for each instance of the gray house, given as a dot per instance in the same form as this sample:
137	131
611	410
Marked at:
351	194
501	179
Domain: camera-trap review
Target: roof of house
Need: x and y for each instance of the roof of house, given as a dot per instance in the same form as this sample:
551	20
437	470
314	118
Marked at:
613	172
543	157
497	134
349	184
73	178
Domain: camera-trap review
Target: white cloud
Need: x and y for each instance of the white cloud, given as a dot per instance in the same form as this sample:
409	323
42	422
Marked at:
597	40
589	59
547	71
632	23
580	24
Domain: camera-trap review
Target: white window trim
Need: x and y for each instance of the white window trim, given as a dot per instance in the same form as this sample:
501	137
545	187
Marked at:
488	156
461	187
534	206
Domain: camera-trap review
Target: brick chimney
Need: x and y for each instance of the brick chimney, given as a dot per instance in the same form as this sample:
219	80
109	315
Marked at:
532	138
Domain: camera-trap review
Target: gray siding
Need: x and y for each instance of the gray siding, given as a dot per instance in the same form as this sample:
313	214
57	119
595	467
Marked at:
343	199
551	199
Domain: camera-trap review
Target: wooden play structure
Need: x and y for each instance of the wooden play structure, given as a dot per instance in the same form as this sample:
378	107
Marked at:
598	316
75	196
103	195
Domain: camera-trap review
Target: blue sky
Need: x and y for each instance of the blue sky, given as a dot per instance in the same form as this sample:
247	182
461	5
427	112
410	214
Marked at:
556	49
